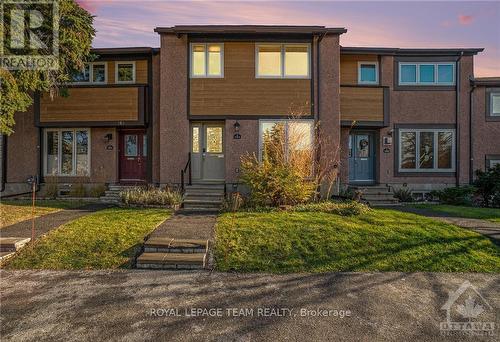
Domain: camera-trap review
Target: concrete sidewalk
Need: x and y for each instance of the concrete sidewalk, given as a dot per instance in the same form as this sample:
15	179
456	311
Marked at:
144	305
45	223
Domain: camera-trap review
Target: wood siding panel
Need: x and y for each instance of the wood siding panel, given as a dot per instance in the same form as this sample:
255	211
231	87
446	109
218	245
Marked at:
240	93
361	104
141	71
92	104
349	67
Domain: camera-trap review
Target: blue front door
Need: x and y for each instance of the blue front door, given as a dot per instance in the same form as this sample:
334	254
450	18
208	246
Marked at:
361	157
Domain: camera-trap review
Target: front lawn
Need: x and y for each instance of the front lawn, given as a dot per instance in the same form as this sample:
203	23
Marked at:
104	239
16	211
490	214
381	240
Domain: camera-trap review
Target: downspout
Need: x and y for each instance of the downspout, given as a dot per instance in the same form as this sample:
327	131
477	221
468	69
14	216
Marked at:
457	114
471	137
4	162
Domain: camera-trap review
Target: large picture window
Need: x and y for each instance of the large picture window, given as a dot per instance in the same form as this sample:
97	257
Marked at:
66	152
423	150
125	72
92	73
289	139
426	73
282	60
207	60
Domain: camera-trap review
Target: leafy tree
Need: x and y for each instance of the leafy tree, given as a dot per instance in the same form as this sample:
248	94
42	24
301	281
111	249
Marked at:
75	40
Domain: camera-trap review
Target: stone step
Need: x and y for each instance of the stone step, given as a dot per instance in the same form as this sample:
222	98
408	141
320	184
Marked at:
375	197
200	210
384	204
172	245
204	194
171	260
12	244
205	187
204	202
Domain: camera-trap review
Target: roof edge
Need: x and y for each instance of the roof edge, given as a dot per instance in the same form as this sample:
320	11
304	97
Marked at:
409	51
486	81
249	29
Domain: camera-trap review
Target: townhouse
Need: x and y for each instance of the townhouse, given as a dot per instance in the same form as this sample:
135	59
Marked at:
188	111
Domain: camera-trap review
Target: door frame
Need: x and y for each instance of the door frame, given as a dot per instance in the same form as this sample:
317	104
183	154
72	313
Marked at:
375	143
120	133
202	125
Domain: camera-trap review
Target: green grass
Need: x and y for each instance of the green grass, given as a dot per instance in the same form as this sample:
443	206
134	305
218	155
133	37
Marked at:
382	240
16	211
490	214
101	240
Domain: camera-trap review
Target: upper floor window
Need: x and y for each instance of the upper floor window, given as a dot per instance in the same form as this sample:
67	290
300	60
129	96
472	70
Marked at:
494	104
125	72
92	73
426	73
424	150
207	60
367	72
283	60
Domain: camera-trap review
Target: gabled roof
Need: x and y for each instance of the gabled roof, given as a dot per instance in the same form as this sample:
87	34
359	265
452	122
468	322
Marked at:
408	51
249	29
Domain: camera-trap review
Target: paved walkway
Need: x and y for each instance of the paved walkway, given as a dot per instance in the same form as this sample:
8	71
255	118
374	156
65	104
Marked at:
187	226
139	305
487	228
45	223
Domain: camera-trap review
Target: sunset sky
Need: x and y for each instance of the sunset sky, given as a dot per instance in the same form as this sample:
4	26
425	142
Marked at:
369	23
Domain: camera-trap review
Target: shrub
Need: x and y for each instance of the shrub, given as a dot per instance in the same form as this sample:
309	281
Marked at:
350	208
280	178
488	186
78	190
461	195
233	202
97	190
403	194
150	196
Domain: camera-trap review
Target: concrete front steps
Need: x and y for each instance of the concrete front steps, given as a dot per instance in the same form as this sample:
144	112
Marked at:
203	197
112	195
377	195
169	253
10	245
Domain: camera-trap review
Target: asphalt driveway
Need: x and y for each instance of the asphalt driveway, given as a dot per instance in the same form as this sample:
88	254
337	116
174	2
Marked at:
187	306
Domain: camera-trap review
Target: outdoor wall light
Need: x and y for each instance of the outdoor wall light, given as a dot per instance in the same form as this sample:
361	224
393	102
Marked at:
108	137
236	126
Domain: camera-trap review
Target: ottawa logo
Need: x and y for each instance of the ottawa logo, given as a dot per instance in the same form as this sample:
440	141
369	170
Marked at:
468	313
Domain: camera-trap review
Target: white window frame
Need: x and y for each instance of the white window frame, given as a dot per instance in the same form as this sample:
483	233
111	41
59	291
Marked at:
491	112
418	83
91	73
206	75
376	72
283	60
435	147
286	122
117	63
59	152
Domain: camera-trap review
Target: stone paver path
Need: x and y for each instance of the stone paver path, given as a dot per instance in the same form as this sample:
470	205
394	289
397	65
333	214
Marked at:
44	224
487	228
187	226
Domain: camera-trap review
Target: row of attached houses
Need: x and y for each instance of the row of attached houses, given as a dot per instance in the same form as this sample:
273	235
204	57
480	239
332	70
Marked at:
395	117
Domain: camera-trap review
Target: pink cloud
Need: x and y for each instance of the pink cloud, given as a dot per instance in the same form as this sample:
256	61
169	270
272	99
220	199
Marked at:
465	19
89	5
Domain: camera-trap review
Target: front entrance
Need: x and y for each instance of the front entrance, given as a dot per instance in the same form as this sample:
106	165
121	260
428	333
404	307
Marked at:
133	156
361	157
207	151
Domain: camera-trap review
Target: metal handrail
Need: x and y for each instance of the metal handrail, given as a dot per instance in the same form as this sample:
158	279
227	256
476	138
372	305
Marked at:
183	172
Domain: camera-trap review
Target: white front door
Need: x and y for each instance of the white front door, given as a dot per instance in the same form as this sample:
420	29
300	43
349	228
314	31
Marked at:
207	151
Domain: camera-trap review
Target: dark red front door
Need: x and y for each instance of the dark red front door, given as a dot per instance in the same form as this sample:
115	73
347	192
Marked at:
133	155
